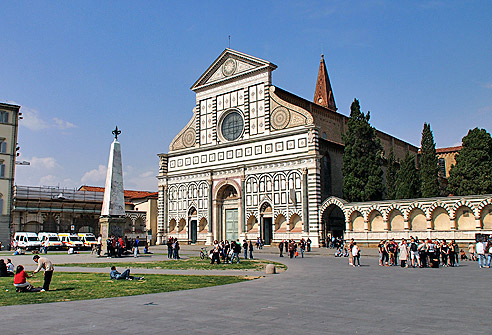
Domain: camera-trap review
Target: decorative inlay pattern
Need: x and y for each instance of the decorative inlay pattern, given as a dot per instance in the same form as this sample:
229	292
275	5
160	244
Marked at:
189	137
280	118
229	67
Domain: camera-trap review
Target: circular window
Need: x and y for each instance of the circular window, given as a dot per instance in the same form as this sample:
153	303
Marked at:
232	126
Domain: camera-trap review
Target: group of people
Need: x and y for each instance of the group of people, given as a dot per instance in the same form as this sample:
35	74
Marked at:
293	248
6	269
229	252
20	276
482	252
173	248
118	246
334	242
419	253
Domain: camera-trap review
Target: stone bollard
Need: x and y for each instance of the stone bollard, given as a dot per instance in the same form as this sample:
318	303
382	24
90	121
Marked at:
270	269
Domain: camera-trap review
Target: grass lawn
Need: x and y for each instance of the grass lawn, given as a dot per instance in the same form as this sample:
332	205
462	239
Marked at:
194	263
67	286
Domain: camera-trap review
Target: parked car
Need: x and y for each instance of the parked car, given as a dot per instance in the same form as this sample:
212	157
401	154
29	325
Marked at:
54	242
89	240
27	241
71	241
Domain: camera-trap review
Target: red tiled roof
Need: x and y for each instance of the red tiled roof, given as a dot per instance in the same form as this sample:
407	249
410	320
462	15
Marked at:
448	150
128	193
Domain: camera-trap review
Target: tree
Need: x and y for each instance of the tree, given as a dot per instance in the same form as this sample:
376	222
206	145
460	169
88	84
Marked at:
429	169
472	173
407	179
391	170
362	172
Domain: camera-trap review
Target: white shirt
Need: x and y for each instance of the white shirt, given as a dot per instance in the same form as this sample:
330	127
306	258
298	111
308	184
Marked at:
480	248
355	250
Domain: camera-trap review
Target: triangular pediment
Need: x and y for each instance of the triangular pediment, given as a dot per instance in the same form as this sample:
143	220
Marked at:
230	65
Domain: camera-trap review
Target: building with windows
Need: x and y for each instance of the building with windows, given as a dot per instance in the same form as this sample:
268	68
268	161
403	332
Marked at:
54	209
9	121
446	158
255	160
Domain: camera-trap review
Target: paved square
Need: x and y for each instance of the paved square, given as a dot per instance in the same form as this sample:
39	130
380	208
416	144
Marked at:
317	295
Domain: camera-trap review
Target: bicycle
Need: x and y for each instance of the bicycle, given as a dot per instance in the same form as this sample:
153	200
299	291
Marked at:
203	253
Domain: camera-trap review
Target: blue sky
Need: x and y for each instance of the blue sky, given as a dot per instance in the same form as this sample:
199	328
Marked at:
78	68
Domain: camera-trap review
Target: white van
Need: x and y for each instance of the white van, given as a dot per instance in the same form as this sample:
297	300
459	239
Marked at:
54	242
89	240
27	241
71	241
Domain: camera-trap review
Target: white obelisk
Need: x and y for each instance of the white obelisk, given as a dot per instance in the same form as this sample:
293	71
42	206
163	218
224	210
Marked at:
112	219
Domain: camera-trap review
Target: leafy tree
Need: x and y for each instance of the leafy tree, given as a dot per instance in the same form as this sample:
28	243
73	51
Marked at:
391	170
472	173
407	179
429	169
362	172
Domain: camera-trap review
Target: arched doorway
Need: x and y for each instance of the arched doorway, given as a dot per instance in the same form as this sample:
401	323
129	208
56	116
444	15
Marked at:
266	215
193	224
228	204
333	222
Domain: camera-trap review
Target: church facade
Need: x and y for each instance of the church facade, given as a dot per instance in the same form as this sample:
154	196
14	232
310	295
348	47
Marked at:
255	160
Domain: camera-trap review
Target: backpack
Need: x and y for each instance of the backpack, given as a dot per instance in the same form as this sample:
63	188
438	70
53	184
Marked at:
413	247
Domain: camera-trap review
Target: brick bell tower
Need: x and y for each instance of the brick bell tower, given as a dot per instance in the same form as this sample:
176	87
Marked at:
323	95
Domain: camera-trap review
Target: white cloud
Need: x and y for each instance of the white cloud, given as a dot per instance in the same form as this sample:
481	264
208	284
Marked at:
95	176
487	85
61	124
33	120
46	163
147	174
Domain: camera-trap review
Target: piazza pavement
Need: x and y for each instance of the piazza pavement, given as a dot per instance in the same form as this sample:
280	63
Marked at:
319	294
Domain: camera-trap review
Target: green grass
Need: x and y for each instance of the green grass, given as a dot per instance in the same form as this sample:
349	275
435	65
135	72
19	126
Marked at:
193	263
67	286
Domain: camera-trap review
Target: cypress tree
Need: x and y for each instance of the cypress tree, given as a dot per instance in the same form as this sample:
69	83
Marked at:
472	173
407	179
362	172
429	169
391	170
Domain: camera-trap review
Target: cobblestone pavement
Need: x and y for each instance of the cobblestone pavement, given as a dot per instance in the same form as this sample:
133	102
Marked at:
319	294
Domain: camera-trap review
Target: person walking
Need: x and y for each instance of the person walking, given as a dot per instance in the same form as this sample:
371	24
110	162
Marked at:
45	264
281	248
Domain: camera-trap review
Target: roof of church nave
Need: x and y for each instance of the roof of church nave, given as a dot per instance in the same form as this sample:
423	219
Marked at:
127	193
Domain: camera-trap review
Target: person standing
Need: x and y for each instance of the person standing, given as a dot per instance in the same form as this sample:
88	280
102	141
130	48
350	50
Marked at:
454	253
99	244
480	250
403	254
250	250
308	244
135	247
245	248
355	254
45	264
281	248
215	253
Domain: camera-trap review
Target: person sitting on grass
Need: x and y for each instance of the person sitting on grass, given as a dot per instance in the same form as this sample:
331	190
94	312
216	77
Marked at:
20	282
114	274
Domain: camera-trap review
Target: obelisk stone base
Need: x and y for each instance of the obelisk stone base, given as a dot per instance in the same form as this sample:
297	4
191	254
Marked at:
109	226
